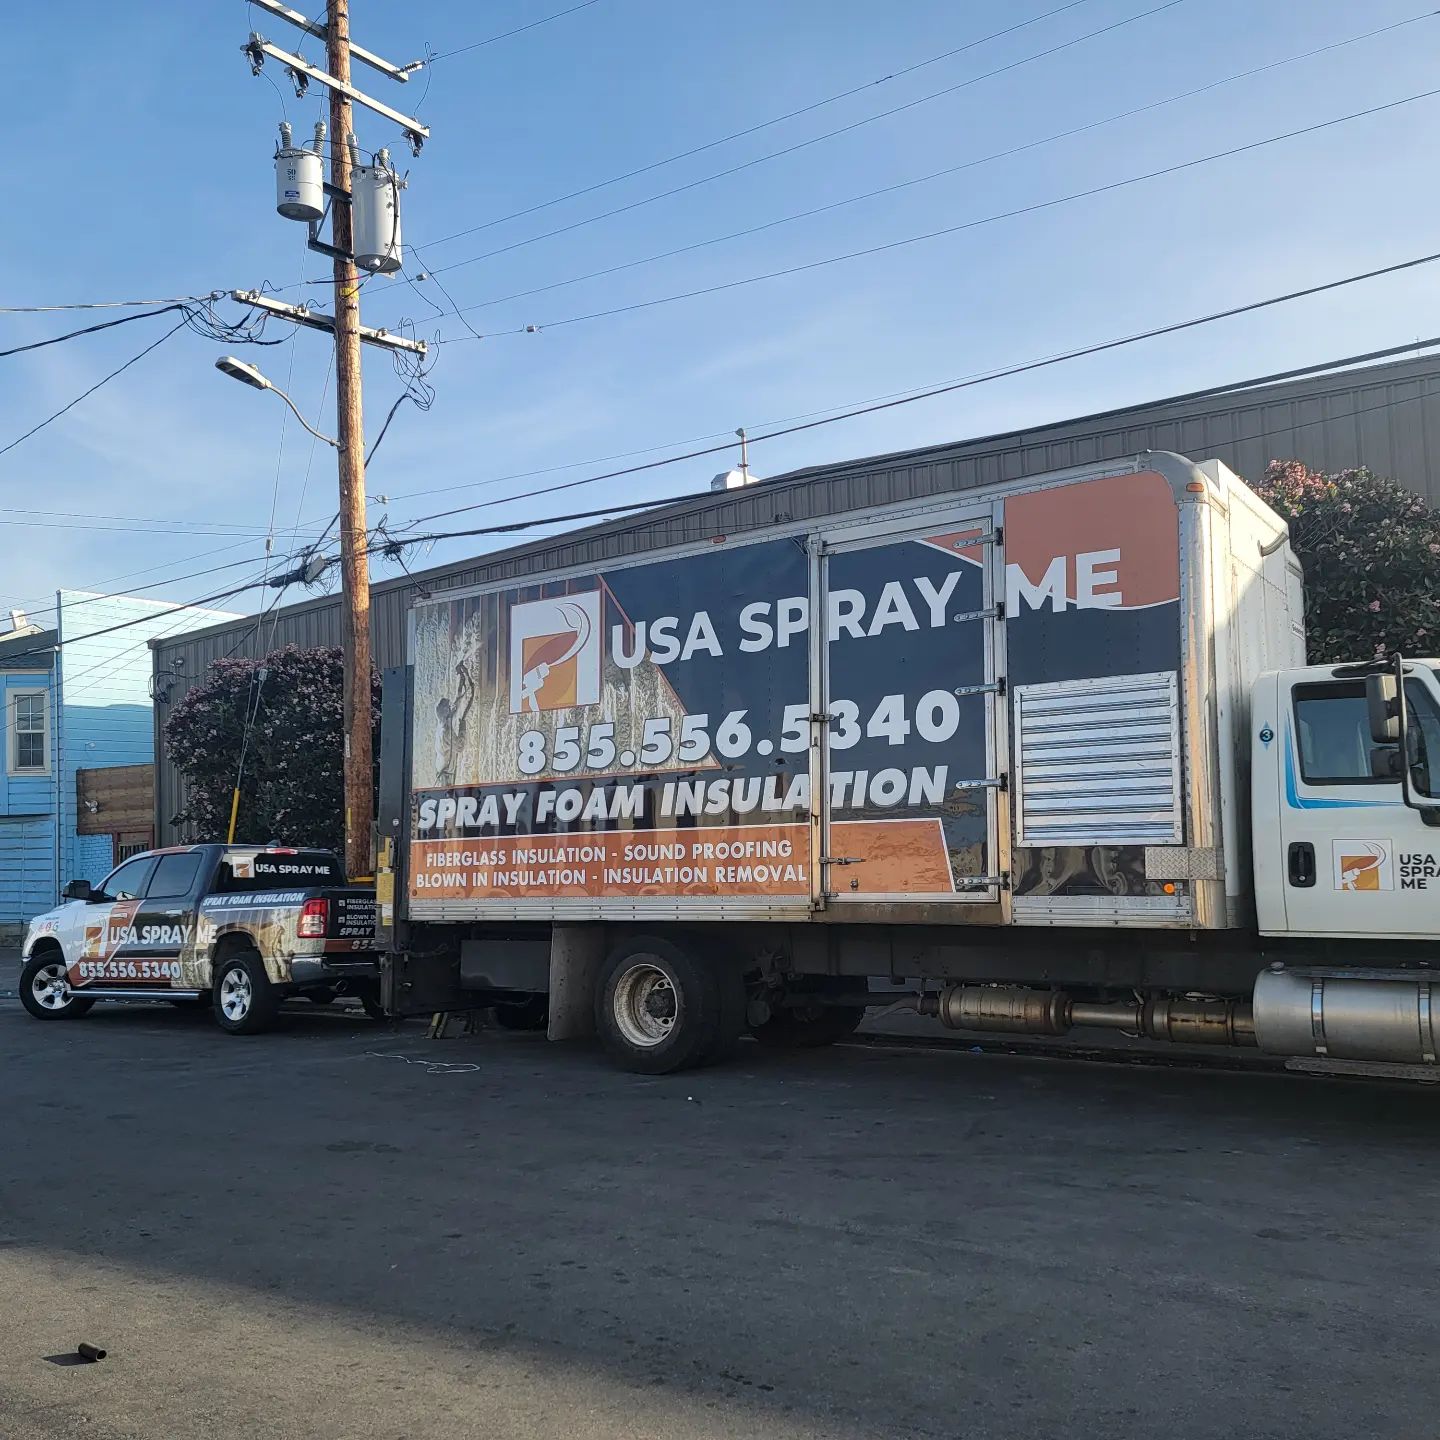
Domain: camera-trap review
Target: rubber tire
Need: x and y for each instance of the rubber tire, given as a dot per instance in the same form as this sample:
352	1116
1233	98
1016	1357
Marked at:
73	1010
788	1030
264	997
529	1015
702	1011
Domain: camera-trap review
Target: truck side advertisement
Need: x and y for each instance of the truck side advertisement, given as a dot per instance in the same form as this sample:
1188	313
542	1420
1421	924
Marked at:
646	730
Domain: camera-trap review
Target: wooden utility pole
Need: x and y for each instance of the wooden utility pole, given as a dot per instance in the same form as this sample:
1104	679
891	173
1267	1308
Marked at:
354	562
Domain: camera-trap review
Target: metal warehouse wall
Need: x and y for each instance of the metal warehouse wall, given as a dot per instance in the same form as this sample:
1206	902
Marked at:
1384	416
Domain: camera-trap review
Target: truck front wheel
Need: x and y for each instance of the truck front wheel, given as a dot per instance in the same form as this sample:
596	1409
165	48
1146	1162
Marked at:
245	1001
45	988
659	1009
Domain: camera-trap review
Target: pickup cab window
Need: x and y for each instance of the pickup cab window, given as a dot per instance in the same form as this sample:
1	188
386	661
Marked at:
175	877
128	881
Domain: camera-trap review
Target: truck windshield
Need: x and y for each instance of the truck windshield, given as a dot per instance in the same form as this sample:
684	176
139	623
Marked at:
269	869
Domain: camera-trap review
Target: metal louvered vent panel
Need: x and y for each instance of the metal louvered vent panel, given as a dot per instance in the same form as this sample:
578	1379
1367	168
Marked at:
1097	762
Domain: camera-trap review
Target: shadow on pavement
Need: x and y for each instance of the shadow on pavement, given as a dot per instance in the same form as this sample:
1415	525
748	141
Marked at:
854	1242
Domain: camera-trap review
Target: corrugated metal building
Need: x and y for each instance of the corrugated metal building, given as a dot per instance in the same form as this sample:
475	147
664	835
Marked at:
1383	416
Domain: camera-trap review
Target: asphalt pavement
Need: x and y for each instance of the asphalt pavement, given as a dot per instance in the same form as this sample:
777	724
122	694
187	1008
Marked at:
349	1230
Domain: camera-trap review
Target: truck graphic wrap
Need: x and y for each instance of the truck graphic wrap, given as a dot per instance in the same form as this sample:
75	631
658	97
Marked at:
1093	590
651	730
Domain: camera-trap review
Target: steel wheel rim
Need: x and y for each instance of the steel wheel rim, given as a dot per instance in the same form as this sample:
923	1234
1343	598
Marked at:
235	994
645	1006
50	987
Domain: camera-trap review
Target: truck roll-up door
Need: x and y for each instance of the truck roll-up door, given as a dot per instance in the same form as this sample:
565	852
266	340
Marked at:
910	703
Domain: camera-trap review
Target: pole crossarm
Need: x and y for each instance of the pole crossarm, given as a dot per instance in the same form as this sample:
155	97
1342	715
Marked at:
317	28
299	315
258	47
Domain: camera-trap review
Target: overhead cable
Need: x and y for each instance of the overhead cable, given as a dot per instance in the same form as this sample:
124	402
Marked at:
761	125
991	219
506	34
1006	154
970	381
806	144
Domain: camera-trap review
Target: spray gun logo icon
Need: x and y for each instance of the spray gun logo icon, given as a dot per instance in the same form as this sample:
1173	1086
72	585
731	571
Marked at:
555	655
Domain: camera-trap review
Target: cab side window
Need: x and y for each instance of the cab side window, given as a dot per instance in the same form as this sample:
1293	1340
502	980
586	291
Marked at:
128	881
1332	726
175	877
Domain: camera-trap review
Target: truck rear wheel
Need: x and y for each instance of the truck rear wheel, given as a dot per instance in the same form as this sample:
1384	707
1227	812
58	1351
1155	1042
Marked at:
245	1001
659	1008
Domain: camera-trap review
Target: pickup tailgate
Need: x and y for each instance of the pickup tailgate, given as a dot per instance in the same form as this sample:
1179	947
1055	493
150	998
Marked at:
349	919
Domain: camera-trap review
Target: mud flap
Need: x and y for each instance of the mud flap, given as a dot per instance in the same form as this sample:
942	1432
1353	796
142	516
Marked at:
576	954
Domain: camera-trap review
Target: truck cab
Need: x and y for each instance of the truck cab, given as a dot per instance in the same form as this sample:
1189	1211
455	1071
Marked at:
1346	837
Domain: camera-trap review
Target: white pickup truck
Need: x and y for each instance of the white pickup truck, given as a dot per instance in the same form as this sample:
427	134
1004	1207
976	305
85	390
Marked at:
239	926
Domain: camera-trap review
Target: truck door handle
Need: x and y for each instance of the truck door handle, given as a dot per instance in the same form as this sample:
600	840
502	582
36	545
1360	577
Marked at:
1302	864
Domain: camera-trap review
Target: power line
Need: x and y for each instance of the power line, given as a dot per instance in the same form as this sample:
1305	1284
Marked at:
85	394
951	386
506	34
806	144
460	312
128	624
199	316
88	330
108	304
721	499
1011	214
762	125
31	601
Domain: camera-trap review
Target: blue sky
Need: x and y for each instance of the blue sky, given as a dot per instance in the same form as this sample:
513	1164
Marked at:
142	152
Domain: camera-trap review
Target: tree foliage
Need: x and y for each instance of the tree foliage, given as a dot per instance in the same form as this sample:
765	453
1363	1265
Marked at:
292	786
1371	552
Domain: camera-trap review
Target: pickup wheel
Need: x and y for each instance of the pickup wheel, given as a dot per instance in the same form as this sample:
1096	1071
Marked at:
245	1001
45	989
659	1008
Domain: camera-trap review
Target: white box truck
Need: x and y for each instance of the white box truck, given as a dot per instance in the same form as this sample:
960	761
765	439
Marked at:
1038	755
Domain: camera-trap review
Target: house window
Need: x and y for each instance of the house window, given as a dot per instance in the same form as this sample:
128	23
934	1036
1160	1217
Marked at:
29	732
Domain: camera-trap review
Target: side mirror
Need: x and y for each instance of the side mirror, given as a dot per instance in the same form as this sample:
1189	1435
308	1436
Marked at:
79	890
1382	700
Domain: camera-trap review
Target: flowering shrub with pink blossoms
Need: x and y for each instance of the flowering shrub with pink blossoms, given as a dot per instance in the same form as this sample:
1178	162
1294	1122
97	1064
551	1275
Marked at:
1371	552
292	788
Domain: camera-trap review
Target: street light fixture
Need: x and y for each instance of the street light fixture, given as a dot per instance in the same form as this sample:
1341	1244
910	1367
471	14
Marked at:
249	375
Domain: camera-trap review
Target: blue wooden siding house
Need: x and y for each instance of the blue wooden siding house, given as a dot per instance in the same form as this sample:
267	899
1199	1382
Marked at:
70	699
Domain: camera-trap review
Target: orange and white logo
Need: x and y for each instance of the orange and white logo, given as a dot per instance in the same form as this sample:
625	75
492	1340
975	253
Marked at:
555	648
1362	865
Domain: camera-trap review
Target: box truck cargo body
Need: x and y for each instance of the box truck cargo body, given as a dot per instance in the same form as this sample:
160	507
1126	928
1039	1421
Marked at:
990	751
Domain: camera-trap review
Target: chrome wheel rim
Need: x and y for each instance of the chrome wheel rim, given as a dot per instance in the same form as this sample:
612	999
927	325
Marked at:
235	994
645	1005
50	987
